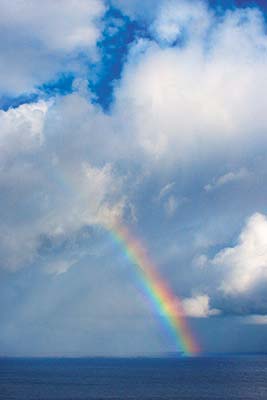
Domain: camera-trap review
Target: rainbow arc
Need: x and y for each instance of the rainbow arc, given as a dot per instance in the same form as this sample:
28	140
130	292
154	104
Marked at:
166	304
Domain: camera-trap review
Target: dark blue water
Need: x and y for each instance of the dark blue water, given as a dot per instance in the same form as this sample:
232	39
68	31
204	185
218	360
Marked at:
141	379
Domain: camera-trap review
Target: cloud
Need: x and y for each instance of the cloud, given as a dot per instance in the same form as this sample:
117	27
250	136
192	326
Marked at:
21	130
169	201
188	102
171	106
50	188
245	265
171	205
227	178
256	320
59	267
191	103
166	189
199	307
43	39
177	22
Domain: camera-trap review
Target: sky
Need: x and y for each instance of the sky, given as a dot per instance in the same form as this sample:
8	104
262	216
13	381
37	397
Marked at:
151	113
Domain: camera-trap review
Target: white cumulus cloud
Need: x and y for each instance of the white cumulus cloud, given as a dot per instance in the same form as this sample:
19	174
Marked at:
189	102
49	186
41	39
245	265
199	307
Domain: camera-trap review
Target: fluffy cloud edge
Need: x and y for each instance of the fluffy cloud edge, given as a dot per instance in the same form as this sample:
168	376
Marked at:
198	306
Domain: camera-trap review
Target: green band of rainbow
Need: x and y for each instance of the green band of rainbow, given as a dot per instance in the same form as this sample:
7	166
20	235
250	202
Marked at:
167	305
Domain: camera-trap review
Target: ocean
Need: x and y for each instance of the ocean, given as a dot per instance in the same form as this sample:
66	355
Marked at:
216	378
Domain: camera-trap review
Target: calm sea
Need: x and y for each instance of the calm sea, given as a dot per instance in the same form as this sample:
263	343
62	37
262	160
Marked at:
189	378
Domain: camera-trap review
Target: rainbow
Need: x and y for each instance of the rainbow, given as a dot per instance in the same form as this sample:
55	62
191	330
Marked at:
168	306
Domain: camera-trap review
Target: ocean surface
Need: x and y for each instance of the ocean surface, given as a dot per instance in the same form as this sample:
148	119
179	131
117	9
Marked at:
201	378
